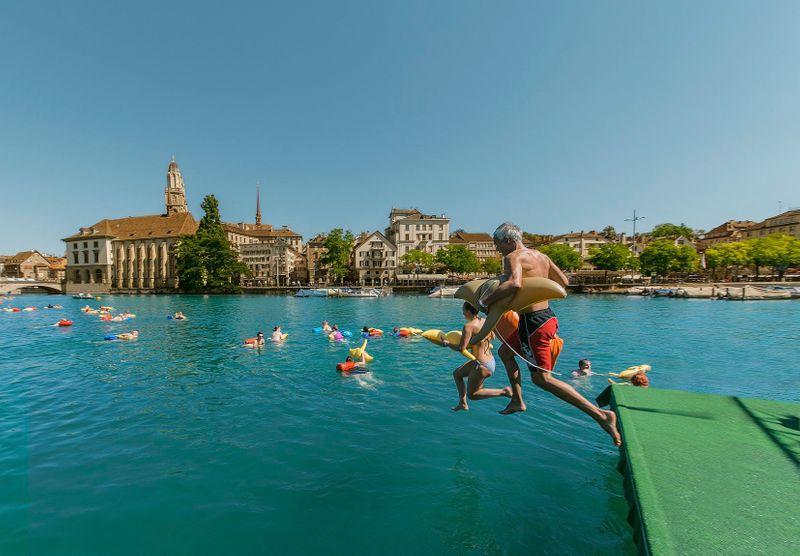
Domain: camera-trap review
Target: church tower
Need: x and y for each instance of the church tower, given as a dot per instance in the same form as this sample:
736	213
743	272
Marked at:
258	207
175	192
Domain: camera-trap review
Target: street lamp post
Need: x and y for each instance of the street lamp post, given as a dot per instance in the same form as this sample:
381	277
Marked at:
634	220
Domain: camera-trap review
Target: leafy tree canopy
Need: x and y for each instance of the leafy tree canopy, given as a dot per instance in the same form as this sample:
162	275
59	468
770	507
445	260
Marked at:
339	244
663	257
536	239
206	262
564	256
672	231
609	233
415	258
611	256
492	266
458	259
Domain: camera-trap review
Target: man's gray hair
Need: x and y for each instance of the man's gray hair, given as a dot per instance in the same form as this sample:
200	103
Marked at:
508	232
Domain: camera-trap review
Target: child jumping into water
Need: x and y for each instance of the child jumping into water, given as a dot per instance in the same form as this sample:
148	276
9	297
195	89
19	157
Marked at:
476	372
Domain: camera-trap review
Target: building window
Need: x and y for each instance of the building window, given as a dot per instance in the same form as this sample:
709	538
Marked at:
96	256
74	245
95	244
85	245
75	258
77	276
85	256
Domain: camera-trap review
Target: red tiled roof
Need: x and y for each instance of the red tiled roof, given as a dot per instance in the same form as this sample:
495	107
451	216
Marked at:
141	227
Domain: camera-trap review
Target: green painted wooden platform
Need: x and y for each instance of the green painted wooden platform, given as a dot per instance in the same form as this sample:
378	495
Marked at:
709	474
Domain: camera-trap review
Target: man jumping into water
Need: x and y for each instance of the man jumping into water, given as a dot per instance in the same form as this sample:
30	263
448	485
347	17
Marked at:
537	326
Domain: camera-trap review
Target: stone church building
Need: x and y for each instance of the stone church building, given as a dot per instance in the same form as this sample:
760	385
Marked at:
133	254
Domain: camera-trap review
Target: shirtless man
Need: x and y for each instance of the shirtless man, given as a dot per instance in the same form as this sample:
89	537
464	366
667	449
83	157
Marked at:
537	326
476	372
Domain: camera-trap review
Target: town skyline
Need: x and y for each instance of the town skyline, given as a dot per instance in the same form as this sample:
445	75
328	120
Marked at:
8	244
588	110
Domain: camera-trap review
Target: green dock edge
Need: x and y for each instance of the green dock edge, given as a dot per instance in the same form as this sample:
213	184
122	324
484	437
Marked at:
708	474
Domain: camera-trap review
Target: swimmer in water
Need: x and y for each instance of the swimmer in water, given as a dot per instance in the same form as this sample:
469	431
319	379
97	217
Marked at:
178	316
128	335
584	368
326	327
277	335
476	372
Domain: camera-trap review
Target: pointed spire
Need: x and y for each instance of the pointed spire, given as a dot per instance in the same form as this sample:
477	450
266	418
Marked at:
258	205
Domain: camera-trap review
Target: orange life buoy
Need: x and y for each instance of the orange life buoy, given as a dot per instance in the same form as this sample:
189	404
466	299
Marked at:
251	341
64	322
346	366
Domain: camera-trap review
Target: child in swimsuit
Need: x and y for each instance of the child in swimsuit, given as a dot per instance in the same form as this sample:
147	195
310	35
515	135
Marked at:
476	372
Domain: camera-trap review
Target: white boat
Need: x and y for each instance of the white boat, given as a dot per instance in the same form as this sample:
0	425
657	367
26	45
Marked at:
443	291
353	292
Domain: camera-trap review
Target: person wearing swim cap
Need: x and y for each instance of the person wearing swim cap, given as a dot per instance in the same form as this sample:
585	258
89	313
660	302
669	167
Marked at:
537	327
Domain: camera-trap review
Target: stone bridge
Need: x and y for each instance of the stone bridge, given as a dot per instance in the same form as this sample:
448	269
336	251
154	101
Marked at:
8	287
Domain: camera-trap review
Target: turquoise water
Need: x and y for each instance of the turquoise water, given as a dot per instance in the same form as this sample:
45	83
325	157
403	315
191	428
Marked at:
184	442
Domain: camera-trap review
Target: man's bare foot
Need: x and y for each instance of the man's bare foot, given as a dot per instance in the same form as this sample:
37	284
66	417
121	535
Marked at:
461	407
609	424
513	407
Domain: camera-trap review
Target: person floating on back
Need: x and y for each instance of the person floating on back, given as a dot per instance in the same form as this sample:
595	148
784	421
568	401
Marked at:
537	328
476	372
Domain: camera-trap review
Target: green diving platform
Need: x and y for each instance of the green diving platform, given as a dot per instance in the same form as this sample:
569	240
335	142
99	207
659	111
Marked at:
709	474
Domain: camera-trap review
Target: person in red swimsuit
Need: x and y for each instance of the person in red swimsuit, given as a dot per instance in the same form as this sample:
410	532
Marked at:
537	328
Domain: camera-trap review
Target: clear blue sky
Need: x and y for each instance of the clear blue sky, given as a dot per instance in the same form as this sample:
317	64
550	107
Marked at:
557	116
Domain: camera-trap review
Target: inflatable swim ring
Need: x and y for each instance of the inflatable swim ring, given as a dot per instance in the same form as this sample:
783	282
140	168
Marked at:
630	371
317	330
64	322
533	290
110	337
453	337
356	353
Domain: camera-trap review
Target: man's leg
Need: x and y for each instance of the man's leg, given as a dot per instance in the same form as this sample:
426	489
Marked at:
512	370
458	376
475	389
606	419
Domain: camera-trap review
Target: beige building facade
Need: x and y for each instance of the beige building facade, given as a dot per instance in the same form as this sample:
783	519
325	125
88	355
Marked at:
582	242
374	260
785	223
481	244
410	229
134	254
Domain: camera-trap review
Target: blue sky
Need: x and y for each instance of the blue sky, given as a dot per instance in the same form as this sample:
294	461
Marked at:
556	116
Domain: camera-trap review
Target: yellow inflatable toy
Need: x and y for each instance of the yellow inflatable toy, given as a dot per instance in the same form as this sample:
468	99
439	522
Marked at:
453	338
533	290
630	371
356	353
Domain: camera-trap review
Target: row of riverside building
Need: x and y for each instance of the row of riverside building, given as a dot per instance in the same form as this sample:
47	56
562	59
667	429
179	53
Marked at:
137	253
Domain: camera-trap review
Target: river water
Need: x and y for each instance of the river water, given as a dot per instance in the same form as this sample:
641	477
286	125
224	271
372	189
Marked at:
183	442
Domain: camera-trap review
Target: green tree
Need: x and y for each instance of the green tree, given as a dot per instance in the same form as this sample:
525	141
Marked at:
535	240
728	257
565	257
205	261
778	251
416	258
611	256
672	231
339	244
458	259
609	233
663	257
492	266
